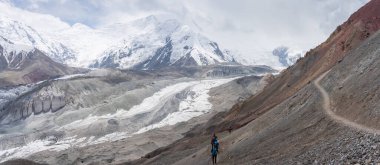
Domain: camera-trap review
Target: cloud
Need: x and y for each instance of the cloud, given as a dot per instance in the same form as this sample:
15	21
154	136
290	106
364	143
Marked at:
41	22
256	27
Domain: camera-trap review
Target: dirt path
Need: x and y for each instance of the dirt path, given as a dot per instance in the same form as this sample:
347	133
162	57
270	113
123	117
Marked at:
337	118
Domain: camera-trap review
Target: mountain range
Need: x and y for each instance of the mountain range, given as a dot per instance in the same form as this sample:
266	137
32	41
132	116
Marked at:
149	42
163	44
157	44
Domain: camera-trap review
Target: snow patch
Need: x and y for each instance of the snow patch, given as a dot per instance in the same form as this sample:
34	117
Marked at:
68	77
194	105
38	146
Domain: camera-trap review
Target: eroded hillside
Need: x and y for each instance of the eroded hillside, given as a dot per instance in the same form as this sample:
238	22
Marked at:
287	123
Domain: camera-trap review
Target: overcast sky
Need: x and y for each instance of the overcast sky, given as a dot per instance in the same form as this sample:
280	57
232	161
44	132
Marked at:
249	26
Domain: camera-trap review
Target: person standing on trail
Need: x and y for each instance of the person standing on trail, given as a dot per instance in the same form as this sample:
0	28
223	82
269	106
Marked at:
214	148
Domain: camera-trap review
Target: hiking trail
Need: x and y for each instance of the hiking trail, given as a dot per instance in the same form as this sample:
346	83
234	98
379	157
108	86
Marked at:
337	118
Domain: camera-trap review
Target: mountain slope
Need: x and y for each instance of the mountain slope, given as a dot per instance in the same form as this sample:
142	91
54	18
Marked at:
301	130
22	34
31	67
12	55
355	30
286	123
87	43
22	64
161	44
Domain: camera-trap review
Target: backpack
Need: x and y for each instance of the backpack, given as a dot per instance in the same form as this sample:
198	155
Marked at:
216	145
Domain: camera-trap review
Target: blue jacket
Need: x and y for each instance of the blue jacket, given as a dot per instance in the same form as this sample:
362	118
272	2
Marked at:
215	147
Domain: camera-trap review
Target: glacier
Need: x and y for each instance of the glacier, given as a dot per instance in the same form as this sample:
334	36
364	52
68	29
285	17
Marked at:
194	104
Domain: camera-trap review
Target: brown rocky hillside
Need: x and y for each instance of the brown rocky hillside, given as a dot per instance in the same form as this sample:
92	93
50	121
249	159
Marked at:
287	123
34	67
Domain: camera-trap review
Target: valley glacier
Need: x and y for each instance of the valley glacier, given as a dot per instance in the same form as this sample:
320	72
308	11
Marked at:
195	103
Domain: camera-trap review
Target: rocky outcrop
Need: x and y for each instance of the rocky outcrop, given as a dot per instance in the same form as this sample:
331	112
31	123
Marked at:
30	103
38	105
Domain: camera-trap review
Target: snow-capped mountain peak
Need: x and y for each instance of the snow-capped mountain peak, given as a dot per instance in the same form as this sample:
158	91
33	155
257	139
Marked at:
19	33
161	44
11	54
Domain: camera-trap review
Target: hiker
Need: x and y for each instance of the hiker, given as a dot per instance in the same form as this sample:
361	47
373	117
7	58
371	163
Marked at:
214	148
